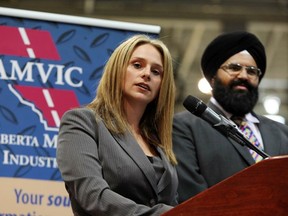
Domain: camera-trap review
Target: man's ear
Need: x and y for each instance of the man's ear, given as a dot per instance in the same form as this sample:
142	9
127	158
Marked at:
212	81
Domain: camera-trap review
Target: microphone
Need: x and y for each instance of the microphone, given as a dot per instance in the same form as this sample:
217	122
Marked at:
219	122
198	108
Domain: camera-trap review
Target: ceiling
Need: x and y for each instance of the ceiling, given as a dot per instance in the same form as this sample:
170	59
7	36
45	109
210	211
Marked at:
187	26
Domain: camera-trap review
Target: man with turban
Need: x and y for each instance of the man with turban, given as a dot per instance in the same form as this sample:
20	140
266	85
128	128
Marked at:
234	64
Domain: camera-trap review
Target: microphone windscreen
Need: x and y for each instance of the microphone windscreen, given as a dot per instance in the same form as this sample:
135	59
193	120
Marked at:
194	105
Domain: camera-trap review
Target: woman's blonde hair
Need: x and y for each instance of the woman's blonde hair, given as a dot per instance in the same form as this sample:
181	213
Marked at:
156	123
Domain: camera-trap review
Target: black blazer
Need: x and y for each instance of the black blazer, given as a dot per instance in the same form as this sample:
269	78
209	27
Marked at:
106	174
206	157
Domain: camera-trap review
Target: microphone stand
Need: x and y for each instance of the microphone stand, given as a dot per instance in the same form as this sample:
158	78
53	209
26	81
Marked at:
230	129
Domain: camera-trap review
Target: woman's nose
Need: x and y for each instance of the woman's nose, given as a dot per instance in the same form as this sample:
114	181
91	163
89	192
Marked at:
146	73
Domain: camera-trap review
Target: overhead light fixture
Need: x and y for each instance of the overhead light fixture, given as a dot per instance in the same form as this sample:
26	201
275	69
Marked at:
204	86
271	104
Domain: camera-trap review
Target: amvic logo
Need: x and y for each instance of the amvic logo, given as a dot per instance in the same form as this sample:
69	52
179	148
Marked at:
49	103
18	41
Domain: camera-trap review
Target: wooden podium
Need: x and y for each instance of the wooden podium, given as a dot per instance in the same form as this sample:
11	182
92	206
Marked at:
261	189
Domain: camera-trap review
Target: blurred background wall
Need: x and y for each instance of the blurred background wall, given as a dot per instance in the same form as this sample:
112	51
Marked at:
187	26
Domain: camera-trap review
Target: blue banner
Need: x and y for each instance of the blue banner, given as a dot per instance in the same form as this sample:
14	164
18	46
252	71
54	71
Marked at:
49	63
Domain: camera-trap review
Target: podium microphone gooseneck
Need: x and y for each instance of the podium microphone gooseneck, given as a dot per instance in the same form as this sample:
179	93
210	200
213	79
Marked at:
219	122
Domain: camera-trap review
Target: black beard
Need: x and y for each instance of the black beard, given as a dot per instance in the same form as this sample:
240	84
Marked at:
236	102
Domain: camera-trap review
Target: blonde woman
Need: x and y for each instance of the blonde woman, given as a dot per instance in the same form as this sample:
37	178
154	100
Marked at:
115	155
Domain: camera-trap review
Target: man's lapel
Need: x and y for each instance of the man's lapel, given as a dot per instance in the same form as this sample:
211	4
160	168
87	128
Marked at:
242	150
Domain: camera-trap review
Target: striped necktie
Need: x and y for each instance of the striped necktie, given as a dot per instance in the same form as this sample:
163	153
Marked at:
248	133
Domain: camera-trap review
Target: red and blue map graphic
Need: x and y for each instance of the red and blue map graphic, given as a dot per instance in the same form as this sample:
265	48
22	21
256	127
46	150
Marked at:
19	41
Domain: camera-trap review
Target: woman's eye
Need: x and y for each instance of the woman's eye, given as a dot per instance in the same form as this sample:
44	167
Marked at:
156	72
137	65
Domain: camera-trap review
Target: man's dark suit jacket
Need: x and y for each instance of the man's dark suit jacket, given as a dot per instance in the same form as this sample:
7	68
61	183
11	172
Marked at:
206	157
107	174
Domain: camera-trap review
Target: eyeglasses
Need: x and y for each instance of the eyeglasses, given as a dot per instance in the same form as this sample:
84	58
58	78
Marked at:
234	69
